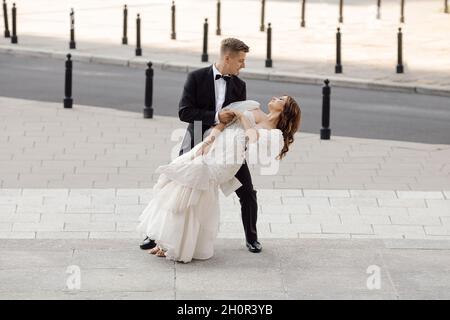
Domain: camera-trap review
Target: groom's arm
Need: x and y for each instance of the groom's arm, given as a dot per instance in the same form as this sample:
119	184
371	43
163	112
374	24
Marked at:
188	110
244	92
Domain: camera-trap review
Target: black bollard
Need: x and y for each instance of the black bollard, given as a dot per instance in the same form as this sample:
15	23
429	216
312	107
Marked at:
400	51
302	24
14	24
125	25
138	36
263	9
205	42
378	9
325	132
218	31
148	110
402	11
338	68
173	36
269	47
446	6
68	101
5	19
72	44
341	9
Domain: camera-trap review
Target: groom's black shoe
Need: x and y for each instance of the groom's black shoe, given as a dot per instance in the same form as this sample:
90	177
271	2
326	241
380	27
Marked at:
254	246
147	244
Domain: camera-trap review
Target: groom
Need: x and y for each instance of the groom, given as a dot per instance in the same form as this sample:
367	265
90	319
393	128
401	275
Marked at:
206	92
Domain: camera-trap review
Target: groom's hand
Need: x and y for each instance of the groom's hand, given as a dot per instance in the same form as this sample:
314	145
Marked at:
225	116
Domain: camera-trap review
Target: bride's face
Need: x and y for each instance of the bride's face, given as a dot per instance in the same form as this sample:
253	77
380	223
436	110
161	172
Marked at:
276	104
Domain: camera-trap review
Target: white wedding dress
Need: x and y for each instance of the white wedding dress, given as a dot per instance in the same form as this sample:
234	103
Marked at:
183	216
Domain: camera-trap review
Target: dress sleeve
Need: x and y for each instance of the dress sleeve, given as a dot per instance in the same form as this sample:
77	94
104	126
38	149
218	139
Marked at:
271	141
265	151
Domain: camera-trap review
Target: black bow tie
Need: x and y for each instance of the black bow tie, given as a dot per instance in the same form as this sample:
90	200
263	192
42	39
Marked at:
226	78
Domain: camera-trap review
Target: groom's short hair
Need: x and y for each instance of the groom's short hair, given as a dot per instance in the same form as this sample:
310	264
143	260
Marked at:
232	45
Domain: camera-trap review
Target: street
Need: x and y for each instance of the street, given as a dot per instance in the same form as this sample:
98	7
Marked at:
354	112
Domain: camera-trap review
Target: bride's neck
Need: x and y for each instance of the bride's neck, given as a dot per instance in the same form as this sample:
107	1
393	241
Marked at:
271	119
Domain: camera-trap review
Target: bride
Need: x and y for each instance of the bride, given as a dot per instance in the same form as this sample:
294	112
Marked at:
183	216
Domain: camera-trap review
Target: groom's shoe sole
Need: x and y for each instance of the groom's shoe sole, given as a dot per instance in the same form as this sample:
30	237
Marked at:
147	244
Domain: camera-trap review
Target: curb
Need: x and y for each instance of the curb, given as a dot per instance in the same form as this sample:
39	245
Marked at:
276	76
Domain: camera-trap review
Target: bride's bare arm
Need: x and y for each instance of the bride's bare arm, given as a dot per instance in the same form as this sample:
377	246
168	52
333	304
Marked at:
208	141
216	130
250	131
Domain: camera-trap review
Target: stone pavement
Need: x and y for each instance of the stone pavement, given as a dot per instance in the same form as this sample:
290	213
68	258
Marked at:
299	55
286	269
88	172
73	182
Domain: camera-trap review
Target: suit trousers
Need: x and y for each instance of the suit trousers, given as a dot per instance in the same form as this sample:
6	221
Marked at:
249	204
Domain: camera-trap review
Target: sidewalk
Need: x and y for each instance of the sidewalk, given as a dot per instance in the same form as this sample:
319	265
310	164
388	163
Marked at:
299	55
74	181
285	269
88	172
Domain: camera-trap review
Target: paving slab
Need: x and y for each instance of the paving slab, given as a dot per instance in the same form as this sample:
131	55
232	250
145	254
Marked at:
286	269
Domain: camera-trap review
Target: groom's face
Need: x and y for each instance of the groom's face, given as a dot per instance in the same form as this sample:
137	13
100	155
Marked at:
235	62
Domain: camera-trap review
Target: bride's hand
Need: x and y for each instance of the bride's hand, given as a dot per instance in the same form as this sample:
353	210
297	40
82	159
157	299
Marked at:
206	146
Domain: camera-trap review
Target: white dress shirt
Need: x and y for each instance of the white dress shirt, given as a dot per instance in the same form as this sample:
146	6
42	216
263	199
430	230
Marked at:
220	88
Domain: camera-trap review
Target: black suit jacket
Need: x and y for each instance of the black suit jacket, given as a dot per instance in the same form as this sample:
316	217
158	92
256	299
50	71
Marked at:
198	103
